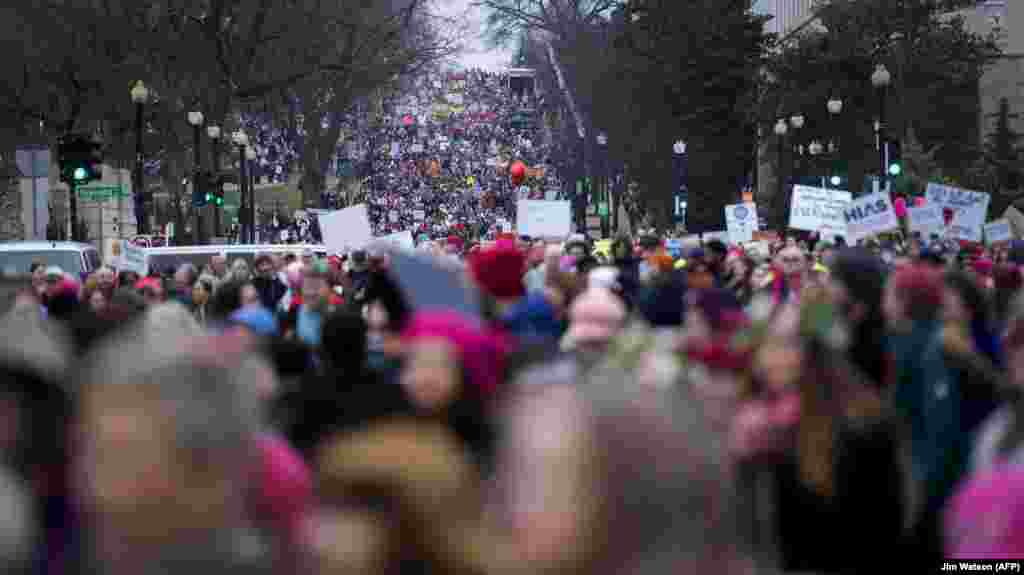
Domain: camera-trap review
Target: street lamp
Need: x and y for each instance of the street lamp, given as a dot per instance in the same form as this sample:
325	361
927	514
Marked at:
213	132
780	130
195	119
834	106
250	156
797	121
602	141
140	95
679	148
240	140
880	79
815	148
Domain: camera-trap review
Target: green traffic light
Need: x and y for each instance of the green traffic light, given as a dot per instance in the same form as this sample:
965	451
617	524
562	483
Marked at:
895	169
80	174
209	197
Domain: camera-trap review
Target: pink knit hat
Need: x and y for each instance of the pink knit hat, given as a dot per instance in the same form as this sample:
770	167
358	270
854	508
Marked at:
596	316
481	353
985	519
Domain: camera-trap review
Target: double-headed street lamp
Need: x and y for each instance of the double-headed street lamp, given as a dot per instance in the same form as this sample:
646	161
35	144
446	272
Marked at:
781	128
139	95
195	119
240	140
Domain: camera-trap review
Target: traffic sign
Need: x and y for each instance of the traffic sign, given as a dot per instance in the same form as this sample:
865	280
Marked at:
101	193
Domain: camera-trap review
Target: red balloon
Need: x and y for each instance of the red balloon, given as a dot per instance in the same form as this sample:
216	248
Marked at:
518	172
919	201
900	205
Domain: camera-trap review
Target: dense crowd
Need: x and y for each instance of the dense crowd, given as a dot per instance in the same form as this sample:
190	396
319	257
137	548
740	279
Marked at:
438	163
785	407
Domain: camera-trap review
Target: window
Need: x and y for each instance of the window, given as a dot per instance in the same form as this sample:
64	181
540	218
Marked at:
19	262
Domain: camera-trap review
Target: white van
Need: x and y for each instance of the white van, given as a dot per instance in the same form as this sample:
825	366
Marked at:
72	257
169	258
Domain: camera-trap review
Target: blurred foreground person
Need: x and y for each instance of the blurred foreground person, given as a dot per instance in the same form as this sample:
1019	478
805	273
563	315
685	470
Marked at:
167	455
605	478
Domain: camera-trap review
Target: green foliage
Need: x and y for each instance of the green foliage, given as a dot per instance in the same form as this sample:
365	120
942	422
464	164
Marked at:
935	63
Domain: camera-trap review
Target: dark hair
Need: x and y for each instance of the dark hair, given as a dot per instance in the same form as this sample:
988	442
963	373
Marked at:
973	297
36	264
227	299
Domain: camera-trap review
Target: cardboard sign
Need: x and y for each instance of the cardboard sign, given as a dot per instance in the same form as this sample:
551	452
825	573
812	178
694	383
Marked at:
868	216
428	284
970	209
741	222
133	258
998	232
926	220
819	210
346	230
544	219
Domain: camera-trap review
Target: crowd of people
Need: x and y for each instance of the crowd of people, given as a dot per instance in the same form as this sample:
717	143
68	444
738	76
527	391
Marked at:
793	407
438	161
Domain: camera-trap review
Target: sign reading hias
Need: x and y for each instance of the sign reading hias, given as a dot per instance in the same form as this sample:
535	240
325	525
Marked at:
869	215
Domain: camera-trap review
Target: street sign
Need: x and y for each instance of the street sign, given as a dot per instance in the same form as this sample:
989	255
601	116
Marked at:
101	193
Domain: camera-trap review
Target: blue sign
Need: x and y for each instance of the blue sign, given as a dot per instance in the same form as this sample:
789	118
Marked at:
740	212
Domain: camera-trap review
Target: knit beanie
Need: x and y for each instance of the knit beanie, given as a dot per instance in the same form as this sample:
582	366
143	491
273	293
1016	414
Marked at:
499	270
862	274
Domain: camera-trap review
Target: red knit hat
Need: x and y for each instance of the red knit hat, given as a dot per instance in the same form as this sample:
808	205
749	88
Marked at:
921	287
498	270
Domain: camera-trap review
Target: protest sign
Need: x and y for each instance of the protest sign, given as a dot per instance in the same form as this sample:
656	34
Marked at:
419	215
346	230
543	219
970	209
818	210
869	215
741	222
722	236
998	232
925	220
401	240
133	258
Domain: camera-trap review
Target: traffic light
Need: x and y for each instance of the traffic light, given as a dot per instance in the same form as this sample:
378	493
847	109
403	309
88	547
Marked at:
80	159
894	159
215	187
199	197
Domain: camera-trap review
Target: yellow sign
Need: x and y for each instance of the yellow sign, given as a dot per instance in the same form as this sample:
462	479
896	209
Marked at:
470	181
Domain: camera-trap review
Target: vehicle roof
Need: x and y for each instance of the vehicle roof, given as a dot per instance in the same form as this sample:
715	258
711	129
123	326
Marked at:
31	246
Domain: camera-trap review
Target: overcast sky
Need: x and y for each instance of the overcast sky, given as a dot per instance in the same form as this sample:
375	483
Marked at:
471	19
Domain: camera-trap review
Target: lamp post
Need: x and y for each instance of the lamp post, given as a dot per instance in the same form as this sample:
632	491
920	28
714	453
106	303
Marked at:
195	119
213	132
139	95
679	181
241	141
880	79
780	130
250	157
602	141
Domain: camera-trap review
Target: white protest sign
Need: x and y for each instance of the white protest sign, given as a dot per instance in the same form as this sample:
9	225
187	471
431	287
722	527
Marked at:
133	258
969	209
345	230
925	220
819	210
722	236
393	216
523	191
998	231
543	219
868	216
741	222
419	215
401	240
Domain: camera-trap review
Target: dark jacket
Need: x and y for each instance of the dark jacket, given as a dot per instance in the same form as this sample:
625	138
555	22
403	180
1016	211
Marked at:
270	290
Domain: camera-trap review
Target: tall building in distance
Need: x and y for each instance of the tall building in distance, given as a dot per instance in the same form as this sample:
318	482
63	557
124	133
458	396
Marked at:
787	15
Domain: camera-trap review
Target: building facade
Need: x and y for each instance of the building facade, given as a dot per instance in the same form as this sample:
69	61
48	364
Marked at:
1005	78
787	15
